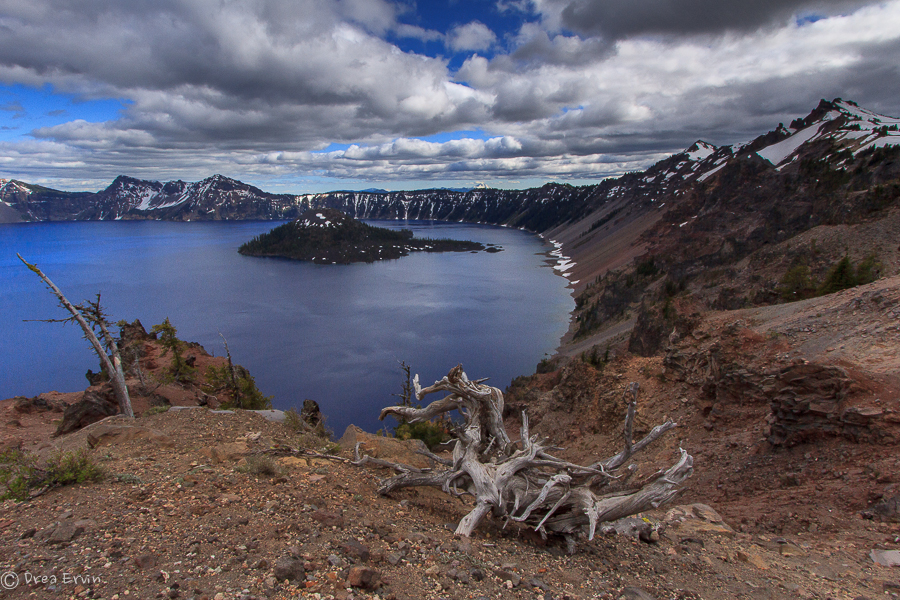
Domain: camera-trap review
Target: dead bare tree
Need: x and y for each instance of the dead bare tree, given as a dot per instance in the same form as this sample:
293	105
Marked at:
521	481
90	315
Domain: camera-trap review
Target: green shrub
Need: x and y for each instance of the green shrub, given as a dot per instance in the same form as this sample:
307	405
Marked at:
647	267
797	284
17	472
155	410
843	276
839	277
22	476
250	396
594	358
241	387
868	270
260	465
294	422
179	370
668	310
547	365
672	287
431	433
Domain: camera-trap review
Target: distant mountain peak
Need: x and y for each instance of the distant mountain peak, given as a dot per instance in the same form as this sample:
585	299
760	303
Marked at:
700	150
849	127
219	178
11	186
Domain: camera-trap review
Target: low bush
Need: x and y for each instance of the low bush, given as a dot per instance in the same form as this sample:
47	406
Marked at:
294	422
156	410
242	388
260	465
23	476
179	370
798	283
431	433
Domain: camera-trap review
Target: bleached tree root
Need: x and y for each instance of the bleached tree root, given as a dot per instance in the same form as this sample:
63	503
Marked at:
521	481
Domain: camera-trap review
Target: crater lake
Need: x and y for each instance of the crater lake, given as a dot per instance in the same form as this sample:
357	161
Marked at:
331	333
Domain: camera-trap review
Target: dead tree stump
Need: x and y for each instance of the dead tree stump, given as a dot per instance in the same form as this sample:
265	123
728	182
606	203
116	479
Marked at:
521	481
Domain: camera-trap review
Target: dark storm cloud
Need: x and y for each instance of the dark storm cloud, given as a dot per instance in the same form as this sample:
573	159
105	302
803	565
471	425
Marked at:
618	19
259	88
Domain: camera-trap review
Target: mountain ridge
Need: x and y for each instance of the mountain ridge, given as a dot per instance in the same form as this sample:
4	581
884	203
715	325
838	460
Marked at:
219	197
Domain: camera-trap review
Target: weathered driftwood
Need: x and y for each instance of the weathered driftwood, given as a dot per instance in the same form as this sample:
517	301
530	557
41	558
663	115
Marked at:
521	481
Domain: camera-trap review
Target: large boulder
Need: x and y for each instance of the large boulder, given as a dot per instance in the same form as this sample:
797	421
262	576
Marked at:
385	448
130	333
42	403
93	406
108	433
310	413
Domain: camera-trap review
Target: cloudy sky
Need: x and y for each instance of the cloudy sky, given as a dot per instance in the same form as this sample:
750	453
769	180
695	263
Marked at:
317	95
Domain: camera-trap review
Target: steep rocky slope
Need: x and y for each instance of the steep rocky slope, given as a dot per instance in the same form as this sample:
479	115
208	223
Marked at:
799	198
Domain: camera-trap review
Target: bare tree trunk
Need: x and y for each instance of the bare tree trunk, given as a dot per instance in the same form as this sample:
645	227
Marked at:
528	484
113	363
235	390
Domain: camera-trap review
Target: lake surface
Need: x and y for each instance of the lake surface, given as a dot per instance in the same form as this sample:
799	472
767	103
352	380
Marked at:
332	333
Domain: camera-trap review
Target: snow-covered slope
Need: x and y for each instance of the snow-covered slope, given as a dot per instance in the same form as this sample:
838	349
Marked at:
845	124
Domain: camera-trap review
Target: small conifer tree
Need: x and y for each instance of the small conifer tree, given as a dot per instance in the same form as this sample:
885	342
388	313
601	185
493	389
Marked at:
167	333
840	277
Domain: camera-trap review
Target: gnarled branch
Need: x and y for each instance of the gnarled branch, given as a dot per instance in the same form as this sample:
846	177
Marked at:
521	481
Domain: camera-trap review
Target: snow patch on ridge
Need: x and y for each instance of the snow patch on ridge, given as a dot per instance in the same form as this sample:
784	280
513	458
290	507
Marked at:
145	198
700	150
12	186
781	150
711	172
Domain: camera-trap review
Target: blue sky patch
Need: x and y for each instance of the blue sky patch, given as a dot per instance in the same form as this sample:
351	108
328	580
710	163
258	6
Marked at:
24	109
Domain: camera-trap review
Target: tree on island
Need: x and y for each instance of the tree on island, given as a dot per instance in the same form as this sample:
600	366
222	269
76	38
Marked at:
90	316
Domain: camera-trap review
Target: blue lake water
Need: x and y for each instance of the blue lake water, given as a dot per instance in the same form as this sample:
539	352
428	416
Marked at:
332	333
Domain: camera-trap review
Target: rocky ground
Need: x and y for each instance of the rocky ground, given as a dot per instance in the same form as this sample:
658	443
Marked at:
189	510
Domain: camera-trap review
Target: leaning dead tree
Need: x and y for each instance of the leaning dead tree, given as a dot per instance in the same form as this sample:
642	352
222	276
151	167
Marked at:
521	481
90	315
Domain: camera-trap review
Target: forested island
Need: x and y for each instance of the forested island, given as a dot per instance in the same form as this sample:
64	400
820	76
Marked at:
328	236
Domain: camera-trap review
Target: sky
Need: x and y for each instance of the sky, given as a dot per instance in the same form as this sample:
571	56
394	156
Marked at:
305	96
